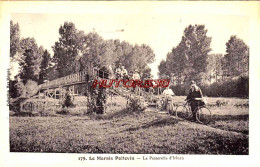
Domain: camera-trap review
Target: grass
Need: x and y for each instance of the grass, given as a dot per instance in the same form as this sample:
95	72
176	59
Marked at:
121	131
229	101
240	126
145	133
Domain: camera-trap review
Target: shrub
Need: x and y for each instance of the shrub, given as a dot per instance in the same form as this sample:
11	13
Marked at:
180	90
31	88
63	111
243	86
231	88
49	111
137	105
13	89
78	110
67	102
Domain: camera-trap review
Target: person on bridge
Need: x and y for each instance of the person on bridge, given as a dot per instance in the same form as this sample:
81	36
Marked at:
118	72
194	98
111	72
136	76
130	75
124	73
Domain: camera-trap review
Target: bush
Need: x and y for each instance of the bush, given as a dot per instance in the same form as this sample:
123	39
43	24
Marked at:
49	111
243	86
180	90
63	111
230	88
13	90
79	111
67	102
30	88
137	105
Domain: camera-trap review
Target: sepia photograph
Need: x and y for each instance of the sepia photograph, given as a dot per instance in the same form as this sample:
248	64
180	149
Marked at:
146	83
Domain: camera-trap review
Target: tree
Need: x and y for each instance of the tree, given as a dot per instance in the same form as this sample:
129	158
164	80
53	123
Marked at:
162	70
118	51
27	65
98	51
14	39
145	57
44	66
52	73
67	49
188	60
14	47
138	58
124	51
176	64
214	68
29	44
76	51
236	61
95	52
197	45
108	52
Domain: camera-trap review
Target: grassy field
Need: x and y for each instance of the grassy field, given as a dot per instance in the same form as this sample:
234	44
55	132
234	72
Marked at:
121	131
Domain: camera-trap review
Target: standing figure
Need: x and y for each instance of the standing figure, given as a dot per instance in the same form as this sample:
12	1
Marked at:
130	75
124	73
136	77
111	72
168	95
194	98
118	72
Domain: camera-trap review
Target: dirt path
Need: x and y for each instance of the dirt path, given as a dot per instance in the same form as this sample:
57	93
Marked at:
208	128
199	126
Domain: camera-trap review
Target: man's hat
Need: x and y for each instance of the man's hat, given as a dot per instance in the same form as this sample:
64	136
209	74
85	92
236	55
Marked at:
193	82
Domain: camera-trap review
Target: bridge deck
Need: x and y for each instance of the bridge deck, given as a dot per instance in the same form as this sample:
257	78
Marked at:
73	79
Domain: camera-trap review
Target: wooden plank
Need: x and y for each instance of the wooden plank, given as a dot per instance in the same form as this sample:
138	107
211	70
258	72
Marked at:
69	80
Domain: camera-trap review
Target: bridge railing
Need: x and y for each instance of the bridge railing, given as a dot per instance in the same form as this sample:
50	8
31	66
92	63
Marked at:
79	77
67	80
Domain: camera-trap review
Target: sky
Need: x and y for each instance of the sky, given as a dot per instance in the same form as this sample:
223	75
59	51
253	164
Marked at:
161	31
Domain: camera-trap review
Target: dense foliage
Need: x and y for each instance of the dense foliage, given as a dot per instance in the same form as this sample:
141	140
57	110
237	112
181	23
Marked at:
215	73
189	60
75	50
230	88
